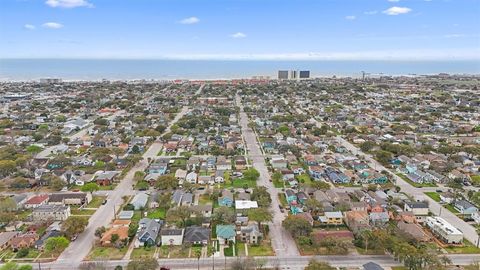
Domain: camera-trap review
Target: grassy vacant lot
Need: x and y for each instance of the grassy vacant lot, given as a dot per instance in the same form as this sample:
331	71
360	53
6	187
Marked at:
143	252
106	253
304	178
476	180
204	199
264	249
158	213
451	208
83	212
240	183
467	248
434	195
413	183
96	202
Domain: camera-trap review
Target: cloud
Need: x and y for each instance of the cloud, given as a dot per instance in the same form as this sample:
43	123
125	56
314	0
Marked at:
190	20
52	25
350	17
371	12
238	35
454	35
29	26
68	3
393	1
397	11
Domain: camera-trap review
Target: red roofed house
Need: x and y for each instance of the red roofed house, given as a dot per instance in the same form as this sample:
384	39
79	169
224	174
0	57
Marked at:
36	201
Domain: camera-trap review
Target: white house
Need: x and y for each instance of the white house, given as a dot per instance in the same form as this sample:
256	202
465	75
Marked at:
172	237
192	177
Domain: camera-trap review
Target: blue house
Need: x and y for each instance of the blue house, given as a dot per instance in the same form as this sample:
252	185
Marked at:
290	196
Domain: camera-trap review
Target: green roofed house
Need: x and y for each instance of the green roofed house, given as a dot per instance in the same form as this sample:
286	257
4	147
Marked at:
225	233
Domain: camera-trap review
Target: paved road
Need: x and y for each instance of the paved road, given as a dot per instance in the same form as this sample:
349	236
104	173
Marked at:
80	248
282	241
418	193
286	262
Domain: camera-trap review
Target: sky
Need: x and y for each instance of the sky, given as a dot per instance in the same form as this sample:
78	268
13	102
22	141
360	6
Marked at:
241	29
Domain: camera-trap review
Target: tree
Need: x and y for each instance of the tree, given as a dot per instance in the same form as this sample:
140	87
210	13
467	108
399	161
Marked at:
8	205
277	177
34	149
383	157
144	264
90	187
262	196
167	181
7	167
316	265
100	231
117	151
260	215
56	244
55	182
223	215
179	215
297	226
313	206
74	225
320	185
367	146
22	253
114	238
251	174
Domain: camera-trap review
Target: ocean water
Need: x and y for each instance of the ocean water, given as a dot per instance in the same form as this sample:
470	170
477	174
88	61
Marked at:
96	69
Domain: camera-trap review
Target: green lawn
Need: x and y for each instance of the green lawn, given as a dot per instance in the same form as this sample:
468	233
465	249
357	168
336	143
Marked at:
86	212
264	249
106	253
241	250
467	248
476	180
434	195
278	183
142	253
158	213
401	175
96	202
451	208
240	183
228	251
304	178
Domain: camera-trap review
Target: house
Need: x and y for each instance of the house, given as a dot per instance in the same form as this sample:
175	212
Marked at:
357	220
121	231
332	218
476	217
226	199
251	234
19	200
51	212
444	230
419	209
171	236
358	206
5	238
205	210
105	178
197	235
240	163
206	179
225	233
223	164
191	177
378	219
125	215
25	240
245	205
291	196
447	197
36	201
306	216
413	231
181	197
148	230
181	175
219	176
52	231
70	198
139	201
465	207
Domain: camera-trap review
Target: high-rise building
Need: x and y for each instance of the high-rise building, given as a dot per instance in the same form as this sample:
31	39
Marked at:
293	75
283	74
304	74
